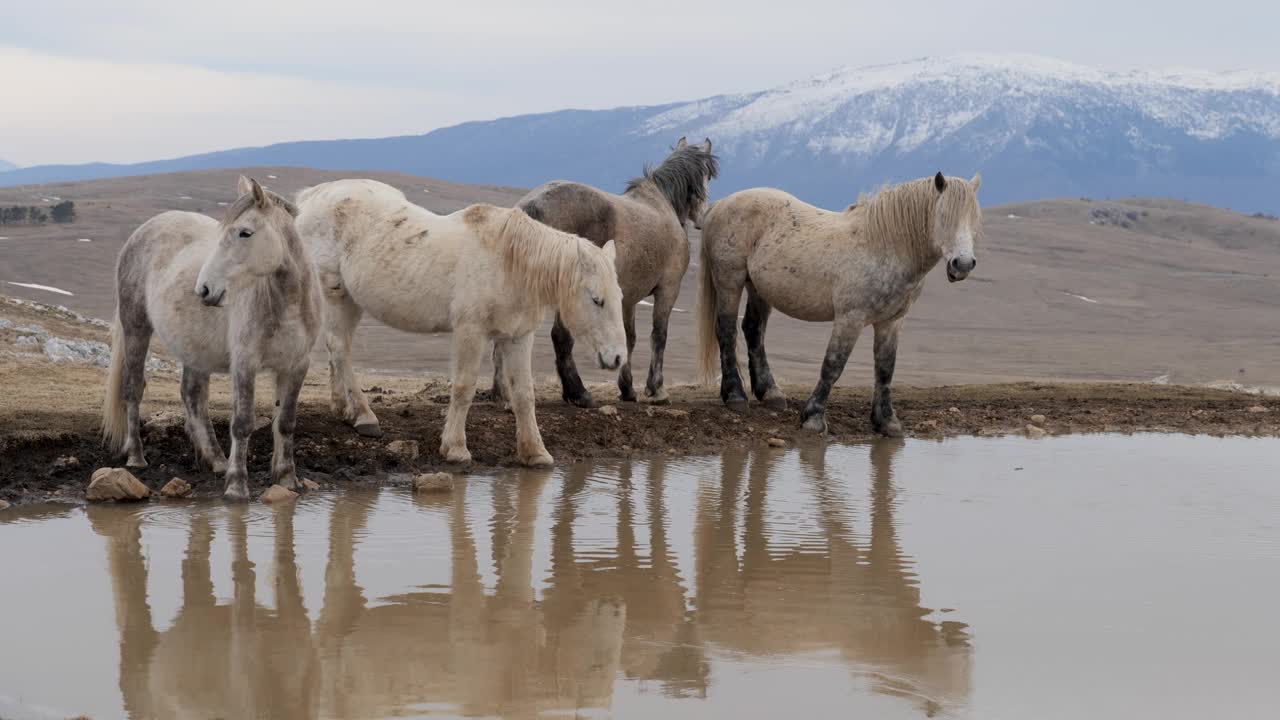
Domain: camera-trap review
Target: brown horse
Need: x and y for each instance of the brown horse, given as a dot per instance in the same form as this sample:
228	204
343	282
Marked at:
647	223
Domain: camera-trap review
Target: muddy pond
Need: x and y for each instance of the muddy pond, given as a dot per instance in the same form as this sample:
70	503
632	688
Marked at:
1070	577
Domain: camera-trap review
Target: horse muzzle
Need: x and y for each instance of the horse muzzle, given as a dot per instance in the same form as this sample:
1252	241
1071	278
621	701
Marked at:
960	267
210	298
617	362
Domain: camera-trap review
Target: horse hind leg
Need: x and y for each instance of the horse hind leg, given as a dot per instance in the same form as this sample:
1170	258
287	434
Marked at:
571	387
137	339
728	296
501	389
883	418
754	323
626	390
347	400
195	402
664	301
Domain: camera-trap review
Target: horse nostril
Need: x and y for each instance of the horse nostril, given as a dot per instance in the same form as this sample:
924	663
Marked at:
617	360
204	291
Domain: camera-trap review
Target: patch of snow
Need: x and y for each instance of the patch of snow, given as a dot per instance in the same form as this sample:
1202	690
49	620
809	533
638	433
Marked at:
649	304
2	237
1011	216
272	177
84	240
425	190
1081	297
1160	380
223	204
184	197
46	288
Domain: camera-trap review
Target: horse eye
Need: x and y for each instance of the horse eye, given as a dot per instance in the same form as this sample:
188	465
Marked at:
598	301
246	233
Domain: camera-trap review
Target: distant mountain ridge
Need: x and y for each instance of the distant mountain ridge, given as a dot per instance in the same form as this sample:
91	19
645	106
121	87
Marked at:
1035	127
6	165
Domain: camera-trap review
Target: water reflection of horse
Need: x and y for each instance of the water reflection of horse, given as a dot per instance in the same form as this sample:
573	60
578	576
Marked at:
604	613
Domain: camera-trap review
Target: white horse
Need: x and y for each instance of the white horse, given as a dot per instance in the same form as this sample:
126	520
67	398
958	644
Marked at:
485	273
236	296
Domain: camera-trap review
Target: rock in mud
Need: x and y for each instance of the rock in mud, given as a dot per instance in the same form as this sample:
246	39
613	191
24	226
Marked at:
66	462
4	504
177	488
310	485
928	426
261	422
953	410
777	442
1258	409
277	494
608	410
1038	420
406	450
116	484
1035	432
433	483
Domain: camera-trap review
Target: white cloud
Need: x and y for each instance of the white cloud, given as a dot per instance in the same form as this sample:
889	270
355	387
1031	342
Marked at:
74	109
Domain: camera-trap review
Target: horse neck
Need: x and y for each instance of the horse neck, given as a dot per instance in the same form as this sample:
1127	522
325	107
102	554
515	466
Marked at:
900	219
290	285
646	191
541	260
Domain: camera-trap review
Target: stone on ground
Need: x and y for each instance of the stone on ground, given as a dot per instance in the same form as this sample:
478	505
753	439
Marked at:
277	494
406	450
177	488
433	483
115	484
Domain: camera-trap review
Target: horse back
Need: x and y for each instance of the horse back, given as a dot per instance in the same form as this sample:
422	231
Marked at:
573	208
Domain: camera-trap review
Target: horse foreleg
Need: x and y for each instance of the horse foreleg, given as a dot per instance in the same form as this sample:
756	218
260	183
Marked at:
195	401
288	385
626	391
664	301
242	378
754	323
468	351
346	398
571	387
844	333
883	419
517	360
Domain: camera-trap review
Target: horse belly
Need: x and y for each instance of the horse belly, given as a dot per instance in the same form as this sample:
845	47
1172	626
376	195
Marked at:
409	297
791	290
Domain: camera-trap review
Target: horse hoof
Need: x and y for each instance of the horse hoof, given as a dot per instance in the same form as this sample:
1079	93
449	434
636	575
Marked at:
657	398
735	405
369	430
288	482
624	397
218	467
457	457
542	459
776	402
891	429
582	401
815	423
136	463
238	493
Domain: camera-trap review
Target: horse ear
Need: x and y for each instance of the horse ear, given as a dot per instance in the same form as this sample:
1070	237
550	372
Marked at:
681	142
939	181
976	182
244	185
706	144
259	195
611	251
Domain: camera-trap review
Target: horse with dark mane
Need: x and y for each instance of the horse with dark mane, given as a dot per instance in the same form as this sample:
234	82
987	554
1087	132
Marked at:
647	223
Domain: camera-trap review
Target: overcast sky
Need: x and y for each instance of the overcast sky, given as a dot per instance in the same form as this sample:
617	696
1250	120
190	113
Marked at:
131	80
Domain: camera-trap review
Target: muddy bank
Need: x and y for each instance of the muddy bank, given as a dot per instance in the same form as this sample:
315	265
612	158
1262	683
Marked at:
50	453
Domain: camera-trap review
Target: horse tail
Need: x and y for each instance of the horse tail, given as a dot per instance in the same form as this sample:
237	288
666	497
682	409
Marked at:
708	346
114	420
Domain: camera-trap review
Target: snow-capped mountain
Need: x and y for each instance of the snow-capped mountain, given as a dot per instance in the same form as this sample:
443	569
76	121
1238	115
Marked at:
6	165
1035	127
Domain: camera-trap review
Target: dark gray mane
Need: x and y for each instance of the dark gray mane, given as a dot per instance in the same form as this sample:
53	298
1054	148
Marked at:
682	178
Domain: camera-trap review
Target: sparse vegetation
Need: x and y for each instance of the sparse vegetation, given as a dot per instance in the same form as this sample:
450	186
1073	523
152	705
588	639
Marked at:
63	212
1264	216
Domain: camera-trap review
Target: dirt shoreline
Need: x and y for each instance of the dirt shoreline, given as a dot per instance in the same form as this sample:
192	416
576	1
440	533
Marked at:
35	443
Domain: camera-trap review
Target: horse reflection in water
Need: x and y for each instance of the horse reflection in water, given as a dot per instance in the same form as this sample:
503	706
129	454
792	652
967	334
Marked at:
625	612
